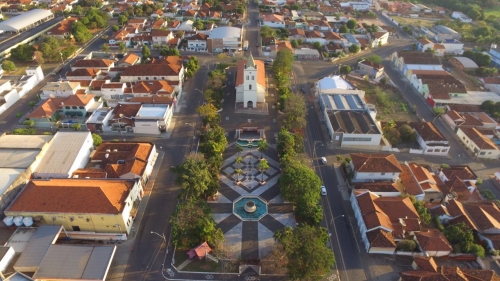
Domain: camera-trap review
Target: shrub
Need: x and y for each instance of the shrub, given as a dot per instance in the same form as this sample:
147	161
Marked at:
406	245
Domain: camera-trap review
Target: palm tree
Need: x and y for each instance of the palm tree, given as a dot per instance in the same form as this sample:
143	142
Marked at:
238	173
262	147
263	166
238	161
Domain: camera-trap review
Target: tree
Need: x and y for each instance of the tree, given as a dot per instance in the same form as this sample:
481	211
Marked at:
392	135
306	251
407	133
192	223
262	147
438	111
262	167
239	149
105	48
209	112
488	106
198	25
461	235
423	212
193	177
146	53
294	43
76	126
8	65
406	245
300	185
96	139
266	31
23	52
285	145
343	29
39	56
80	32
345	69
115	28
351	24
122	20
477	250
32	103
354	48
238	161
122	47
374	58
295	113
317	45
215	141
29	123
238	172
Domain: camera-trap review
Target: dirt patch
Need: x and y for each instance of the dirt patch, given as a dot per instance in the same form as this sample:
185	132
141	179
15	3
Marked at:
386	267
470	83
392	107
414	21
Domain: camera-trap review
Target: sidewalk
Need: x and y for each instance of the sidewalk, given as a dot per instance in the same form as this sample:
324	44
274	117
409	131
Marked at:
124	250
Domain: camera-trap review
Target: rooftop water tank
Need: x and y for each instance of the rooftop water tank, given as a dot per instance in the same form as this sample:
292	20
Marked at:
8	220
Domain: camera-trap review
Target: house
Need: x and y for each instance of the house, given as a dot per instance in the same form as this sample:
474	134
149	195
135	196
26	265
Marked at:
157	14
224	38
383	220
63	29
150	72
478	143
83	74
114	91
297	34
430	139
492	83
52	109
190	15
424	263
433	243
197	42
413	60
153	119
460	16
161	37
374	167
120	160
379	38
59	89
463	63
332	37
68	151
92	205
334	48
128	60
318	25
443	32
424	44
250	83
186	26
272	20
306	53
278	46
381	188
434	272
427	181
373	70
96	64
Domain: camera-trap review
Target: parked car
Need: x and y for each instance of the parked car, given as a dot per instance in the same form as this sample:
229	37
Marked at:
323	190
269	60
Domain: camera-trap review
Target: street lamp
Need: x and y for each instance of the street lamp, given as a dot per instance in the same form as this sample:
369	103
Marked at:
316	145
162	236
196	89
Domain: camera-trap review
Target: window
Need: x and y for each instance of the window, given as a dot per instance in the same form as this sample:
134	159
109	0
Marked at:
482	153
155	78
147	78
74	107
247	77
252	77
138	78
250	87
81	107
357	139
382	174
67	107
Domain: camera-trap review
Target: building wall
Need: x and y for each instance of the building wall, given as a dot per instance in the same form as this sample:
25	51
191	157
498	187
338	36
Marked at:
360	221
273	24
375	176
361	139
434	149
150	127
7	258
197	44
56	94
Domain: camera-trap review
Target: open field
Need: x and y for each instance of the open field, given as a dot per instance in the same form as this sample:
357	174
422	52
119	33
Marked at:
412	21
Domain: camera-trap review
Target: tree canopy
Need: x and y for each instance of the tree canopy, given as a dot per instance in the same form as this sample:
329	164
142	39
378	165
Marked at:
8	65
354	48
23	52
192	224
193	177
460	234
295	113
306	251
351	24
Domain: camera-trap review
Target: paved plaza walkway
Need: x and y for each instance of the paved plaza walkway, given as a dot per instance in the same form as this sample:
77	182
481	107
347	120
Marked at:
250	239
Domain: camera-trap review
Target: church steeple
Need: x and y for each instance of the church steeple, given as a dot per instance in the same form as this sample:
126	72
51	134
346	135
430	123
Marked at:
250	62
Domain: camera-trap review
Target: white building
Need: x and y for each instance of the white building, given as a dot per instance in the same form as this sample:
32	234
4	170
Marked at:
68	151
152	119
59	89
374	167
479	144
250	82
225	38
460	16
430	139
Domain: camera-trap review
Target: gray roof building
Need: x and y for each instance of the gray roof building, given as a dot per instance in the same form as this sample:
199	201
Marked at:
25	20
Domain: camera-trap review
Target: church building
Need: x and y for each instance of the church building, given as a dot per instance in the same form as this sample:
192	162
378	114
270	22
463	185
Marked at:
250	82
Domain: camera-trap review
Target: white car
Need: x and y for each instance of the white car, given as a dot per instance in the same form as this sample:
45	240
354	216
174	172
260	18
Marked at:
323	191
323	160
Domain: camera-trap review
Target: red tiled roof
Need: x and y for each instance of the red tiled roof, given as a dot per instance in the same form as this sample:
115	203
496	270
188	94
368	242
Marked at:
366	163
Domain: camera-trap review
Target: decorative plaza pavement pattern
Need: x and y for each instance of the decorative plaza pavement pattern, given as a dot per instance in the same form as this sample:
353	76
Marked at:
250	239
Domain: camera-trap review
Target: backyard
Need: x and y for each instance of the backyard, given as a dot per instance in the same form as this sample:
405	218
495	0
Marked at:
387	100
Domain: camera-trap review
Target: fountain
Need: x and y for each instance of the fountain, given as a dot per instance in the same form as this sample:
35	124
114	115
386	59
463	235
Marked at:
250	208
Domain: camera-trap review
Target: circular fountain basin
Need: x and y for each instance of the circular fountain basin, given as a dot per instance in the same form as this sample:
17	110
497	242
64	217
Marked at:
250	208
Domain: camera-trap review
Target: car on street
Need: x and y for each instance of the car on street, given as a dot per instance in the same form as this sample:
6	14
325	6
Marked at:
323	190
269	60
323	160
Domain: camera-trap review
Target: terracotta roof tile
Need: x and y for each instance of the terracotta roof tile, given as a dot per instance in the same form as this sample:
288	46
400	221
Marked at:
381	238
426	263
89	72
152	70
433	240
492	80
73	196
366	163
130	59
47	109
261	73
479	139
409	182
461	171
424	178
427	131
93	63
160	87
378	186
63	27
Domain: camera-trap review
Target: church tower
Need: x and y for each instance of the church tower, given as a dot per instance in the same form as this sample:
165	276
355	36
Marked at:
250	83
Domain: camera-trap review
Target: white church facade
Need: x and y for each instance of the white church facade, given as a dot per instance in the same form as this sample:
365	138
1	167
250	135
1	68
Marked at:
250	82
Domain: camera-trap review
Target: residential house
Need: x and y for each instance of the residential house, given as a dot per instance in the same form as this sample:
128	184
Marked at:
374	167
161	37
128	60
314	36
83	74
63	29
297	34
312	15
59	89
433	243
278	46
272	20
478	143
430	139
428	182
91	205
379	38
434	272
373	70
413	60
157	14
460	16
150	72
332	37
189	15
115	91
334	48
197	42
381	188
319	25
492	83
424	44
120	160
96	64
186	26
383	220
